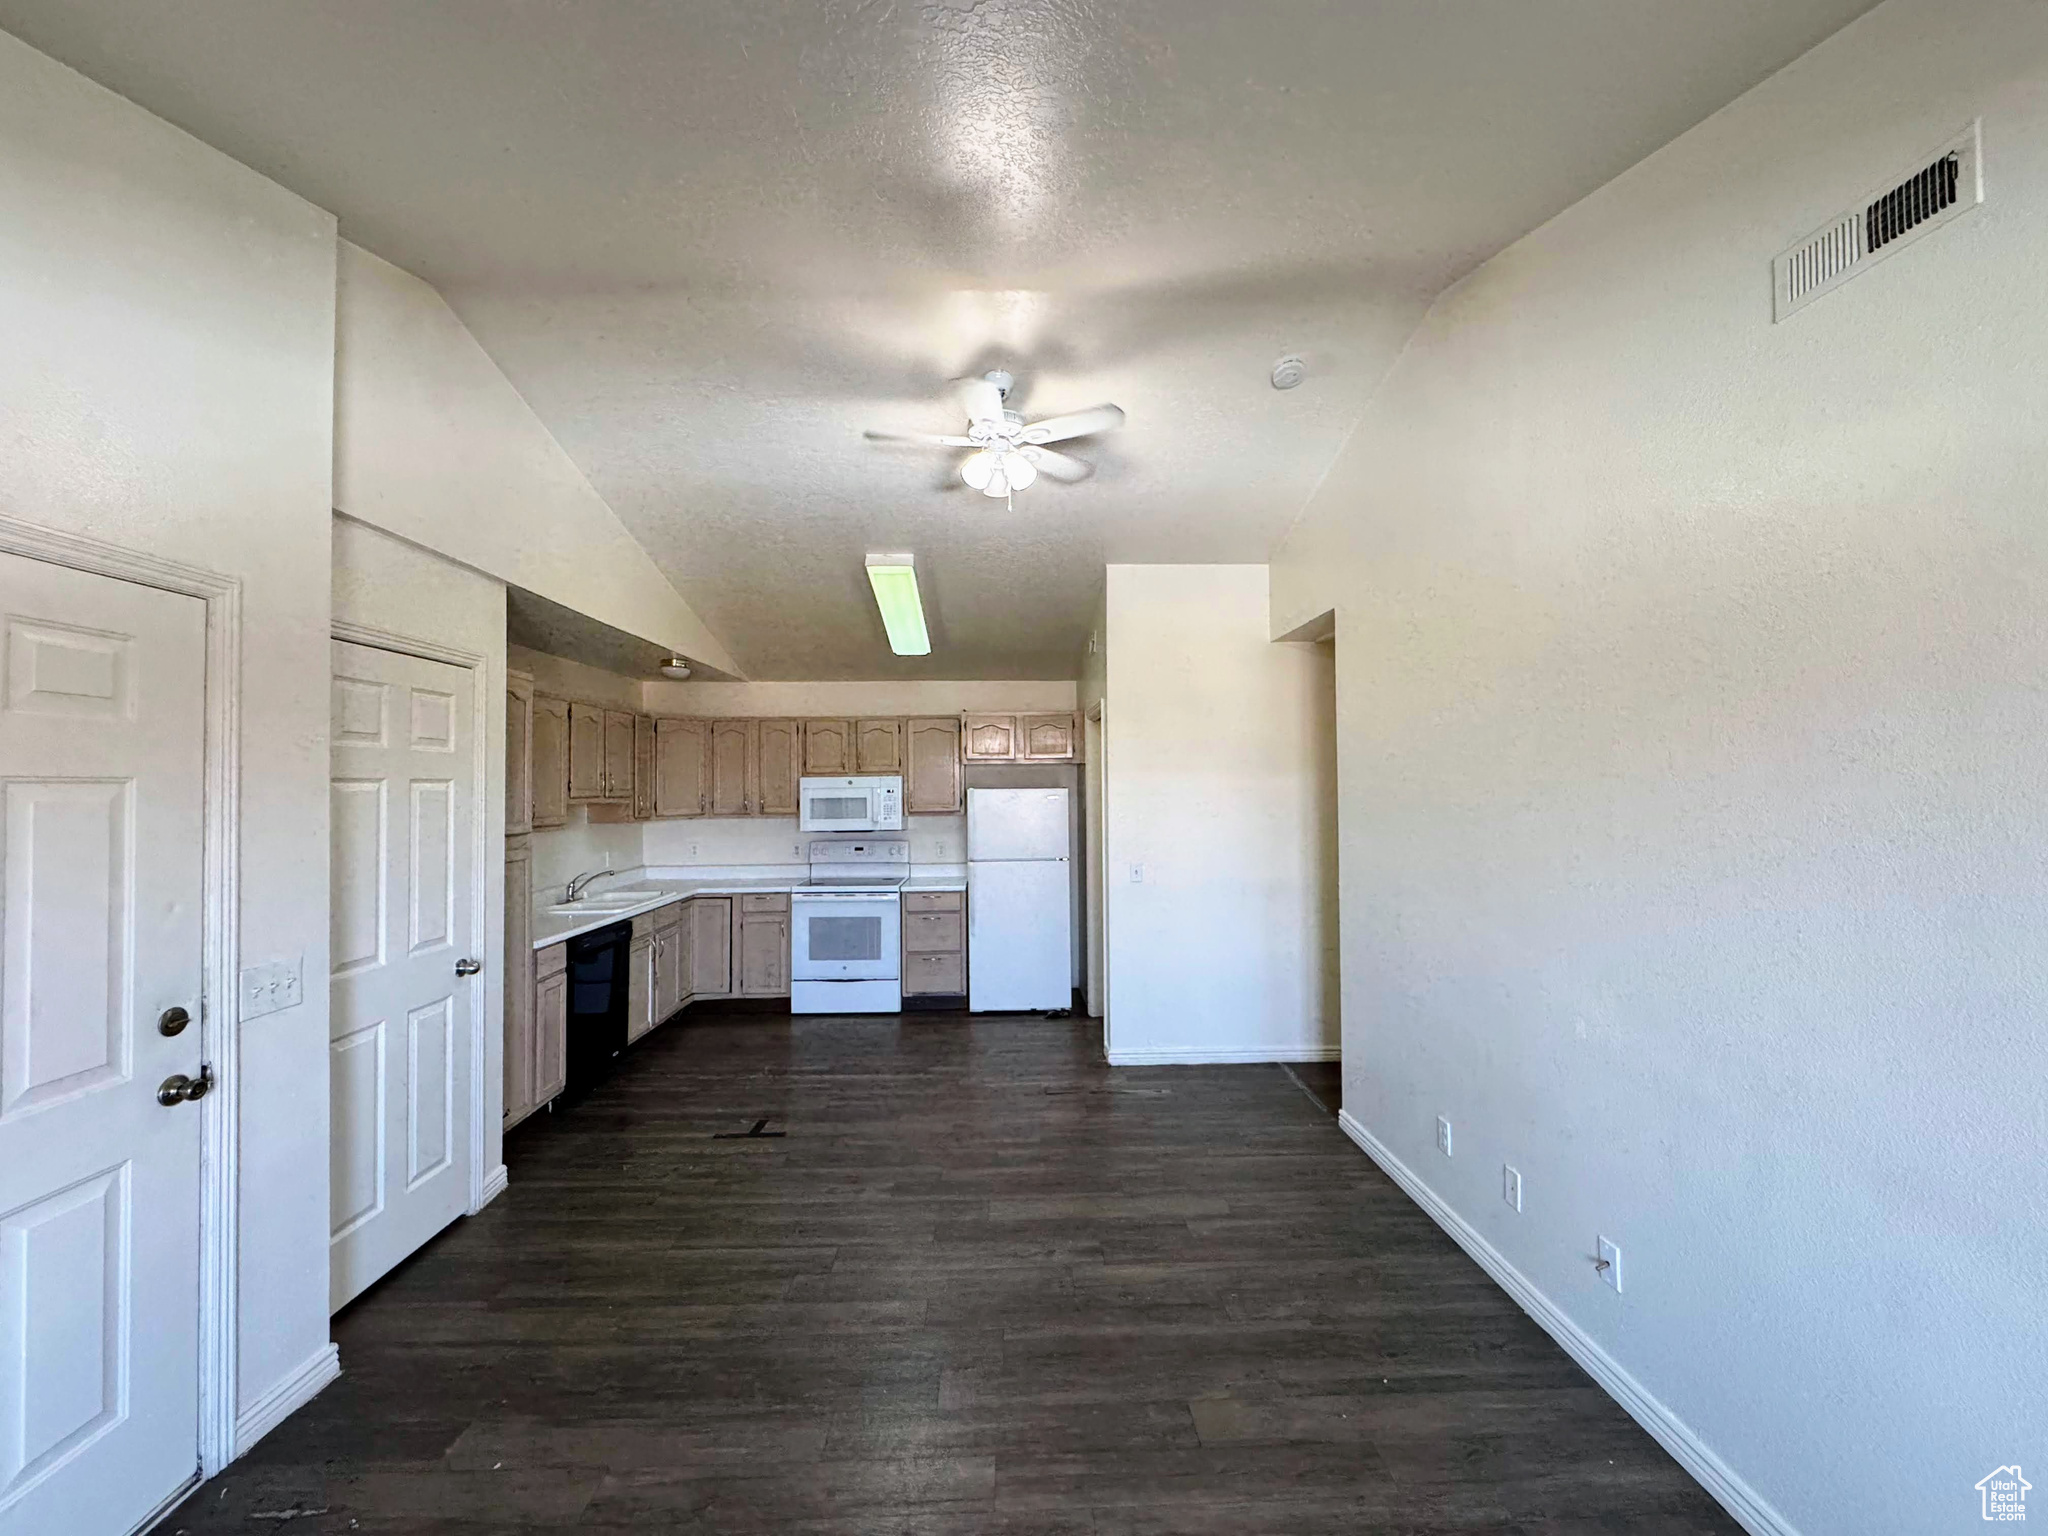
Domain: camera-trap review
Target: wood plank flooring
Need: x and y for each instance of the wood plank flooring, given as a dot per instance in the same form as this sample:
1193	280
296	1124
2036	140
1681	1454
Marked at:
982	1285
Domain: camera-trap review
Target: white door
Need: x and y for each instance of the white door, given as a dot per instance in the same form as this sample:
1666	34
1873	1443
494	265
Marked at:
102	813
400	923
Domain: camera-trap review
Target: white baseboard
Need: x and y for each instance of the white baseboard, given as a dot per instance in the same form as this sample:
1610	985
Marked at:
494	1185
1749	1508
286	1398
1266	1054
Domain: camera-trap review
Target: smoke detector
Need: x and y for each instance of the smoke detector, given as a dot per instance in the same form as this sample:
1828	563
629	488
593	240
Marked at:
1289	372
676	668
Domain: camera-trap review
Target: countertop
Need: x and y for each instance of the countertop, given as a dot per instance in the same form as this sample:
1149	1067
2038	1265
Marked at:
554	927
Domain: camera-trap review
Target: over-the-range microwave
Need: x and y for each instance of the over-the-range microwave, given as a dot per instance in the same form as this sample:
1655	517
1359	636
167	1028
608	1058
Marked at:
870	803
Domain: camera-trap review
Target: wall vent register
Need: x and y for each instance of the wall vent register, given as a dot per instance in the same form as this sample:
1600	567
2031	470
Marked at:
1942	189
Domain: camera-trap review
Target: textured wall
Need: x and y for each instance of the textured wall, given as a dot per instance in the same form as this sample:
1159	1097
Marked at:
1691	755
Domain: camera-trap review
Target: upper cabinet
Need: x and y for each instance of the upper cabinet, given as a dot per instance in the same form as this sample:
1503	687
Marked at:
618	755
586	752
931	776
518	753
989	739
549	771
733	748
1046	738
779	760
878	746
828	748
682	767
643	767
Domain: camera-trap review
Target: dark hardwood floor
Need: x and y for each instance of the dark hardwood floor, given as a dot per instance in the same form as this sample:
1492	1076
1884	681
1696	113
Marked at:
981	1285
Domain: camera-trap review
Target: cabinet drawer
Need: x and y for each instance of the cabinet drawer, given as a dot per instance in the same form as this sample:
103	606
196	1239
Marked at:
667	917
935	901
551	961
928	932
773	901
944	974
643	927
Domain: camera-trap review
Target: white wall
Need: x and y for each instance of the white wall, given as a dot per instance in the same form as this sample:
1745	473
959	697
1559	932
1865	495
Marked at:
1693	799
1211	756
166	385
412	593
434	444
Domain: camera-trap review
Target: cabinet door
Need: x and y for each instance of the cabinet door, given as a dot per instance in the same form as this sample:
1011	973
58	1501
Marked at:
618	755
828	747
710	920
586	752
668	972
643	767
519	1046
550	761
732	767
518	754
682	762
990	739
1046	738
550	1024
779	761
931	779
764	955
640	988
878	746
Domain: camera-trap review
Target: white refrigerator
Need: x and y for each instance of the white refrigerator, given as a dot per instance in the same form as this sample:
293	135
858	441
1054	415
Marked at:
1019	900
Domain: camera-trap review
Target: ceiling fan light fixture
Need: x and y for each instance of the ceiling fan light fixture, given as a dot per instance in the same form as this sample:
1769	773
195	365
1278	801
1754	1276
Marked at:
978	469
894	580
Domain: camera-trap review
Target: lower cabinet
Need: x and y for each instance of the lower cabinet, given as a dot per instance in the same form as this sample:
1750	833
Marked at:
668	961
536	1024
764	946
934	943
707	946
551	1022
640	981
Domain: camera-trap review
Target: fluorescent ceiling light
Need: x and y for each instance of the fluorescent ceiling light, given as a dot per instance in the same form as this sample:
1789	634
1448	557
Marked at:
894	578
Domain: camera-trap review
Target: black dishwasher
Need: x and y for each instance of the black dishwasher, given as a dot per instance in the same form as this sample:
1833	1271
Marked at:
597	1003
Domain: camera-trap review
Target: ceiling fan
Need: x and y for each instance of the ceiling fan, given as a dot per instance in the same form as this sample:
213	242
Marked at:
1010	452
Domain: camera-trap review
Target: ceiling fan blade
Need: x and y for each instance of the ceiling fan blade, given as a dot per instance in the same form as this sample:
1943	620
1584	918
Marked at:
1055	465
1054	429
983	400
922	439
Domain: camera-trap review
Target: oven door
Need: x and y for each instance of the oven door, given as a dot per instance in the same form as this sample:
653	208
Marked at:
836	808
845	937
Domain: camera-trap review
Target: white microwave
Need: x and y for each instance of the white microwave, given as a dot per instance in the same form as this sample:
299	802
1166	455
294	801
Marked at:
871	803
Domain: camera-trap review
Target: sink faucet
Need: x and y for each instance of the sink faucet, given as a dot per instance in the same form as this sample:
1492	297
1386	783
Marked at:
582	883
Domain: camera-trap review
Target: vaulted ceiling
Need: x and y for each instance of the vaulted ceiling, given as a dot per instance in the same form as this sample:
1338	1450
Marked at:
712	241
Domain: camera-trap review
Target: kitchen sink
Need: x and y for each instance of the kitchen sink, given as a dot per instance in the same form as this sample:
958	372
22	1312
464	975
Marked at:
604	901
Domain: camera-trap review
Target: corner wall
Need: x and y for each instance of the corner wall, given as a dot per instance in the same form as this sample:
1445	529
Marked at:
1692	792
1211	747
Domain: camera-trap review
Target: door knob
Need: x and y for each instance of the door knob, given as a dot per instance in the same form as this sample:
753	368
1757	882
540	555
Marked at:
180	1089
468	967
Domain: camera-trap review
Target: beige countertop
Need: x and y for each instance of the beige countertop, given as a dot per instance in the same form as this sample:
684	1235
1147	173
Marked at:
551	927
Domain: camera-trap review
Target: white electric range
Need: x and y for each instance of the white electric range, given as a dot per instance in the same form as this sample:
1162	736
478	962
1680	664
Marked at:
846	928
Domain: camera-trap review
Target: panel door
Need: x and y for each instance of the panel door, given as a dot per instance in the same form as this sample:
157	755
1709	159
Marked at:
764	956
931	780
399	919
102	808
682	767
618	755
990	739
710	920
640	988
520	1053
733	747
643	767
550	761
518	754
828	747
668	971
779	763
586	752
550	1022
1046	738
878	746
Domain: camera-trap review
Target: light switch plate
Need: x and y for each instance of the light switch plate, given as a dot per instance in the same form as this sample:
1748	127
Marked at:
271	987
1611	1258
1511	1185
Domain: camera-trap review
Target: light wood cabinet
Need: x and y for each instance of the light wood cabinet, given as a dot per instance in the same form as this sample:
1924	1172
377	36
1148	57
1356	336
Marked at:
934	943
536	1013
931	778
682	762
779	758
640	987
518	754
668	962
519	1053
618	755
586	753
763	949
1046	738
550	761
707	946
989	739
643	767
878	746
734	746
828	748
551	1022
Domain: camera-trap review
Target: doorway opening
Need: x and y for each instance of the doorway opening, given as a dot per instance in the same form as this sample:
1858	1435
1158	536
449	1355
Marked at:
1323	1081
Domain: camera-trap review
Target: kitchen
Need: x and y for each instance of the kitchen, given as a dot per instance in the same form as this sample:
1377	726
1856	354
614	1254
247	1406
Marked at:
803	848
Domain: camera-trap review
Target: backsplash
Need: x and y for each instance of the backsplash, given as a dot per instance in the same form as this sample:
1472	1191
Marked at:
562	852
738	840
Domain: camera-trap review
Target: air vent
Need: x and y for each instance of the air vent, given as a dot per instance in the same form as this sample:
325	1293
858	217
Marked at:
1945	188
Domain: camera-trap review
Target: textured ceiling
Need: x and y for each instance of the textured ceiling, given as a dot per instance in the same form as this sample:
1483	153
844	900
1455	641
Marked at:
712	241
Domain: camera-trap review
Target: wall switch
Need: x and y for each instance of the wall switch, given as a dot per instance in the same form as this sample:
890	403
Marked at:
1443	1135
1609	1264
1137	874
271	988
1511	1185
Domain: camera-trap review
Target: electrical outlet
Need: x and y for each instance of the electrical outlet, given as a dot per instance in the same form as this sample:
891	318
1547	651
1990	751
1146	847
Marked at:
1443	1135
271	988
796	850
940	848
695	849
1511	1185
1609	1264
